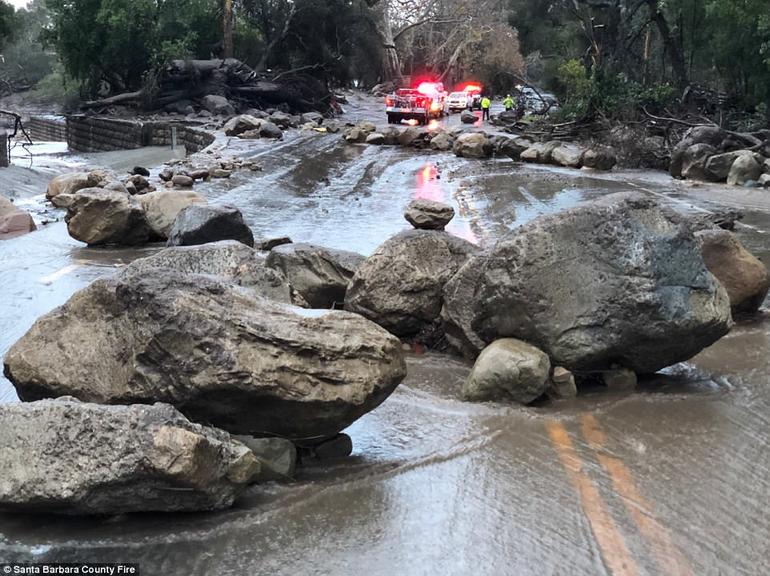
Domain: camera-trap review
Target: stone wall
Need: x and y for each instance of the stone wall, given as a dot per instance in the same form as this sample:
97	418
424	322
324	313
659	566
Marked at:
94	134
47	128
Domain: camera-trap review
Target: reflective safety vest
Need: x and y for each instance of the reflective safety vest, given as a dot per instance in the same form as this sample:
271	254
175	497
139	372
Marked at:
508	102
486	103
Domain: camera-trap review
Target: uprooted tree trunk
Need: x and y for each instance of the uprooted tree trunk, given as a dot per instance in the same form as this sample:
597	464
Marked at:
191	79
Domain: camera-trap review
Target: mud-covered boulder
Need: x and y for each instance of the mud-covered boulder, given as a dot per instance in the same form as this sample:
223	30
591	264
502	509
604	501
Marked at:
72	182
229	260
400	286
473	145
67	457
508	369
429	214
319	275
743	275
468	117
201	224
614	281
240	124
163	207
98	216
568	155
442	142
14	221
744	169
217	352
601	158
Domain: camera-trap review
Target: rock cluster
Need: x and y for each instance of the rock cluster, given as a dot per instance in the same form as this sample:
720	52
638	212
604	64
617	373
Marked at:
711	154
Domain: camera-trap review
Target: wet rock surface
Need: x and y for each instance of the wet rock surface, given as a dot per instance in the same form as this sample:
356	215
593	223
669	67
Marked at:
508	369
199	224
429	214
68	457
745	277
218	353
400	286
609	282
319	275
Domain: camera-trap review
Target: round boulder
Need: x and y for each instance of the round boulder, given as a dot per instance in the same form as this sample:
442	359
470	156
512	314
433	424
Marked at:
400	286
508	369
162	207
473	145
744	276
98	216
429	214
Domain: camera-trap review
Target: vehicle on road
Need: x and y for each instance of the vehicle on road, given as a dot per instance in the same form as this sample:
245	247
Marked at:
459	101
426	102
474	96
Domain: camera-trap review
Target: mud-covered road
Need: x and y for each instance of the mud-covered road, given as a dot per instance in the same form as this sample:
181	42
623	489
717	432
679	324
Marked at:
672	478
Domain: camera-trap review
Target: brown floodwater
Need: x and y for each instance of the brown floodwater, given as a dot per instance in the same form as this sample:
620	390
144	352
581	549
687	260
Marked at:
672	478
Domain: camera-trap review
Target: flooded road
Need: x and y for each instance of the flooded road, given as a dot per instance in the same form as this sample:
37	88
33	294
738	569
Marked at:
673	478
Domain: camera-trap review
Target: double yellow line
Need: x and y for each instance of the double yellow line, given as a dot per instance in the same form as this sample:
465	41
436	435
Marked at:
615	552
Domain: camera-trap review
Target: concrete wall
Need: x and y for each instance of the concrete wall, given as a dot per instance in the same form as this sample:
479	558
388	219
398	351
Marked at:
47	128
94	134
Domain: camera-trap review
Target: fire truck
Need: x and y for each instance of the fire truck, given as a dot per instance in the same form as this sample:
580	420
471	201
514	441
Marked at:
421	104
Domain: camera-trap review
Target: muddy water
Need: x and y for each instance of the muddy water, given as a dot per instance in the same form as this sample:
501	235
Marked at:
673	478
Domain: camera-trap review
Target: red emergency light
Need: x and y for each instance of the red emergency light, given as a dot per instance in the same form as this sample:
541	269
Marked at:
472	88
427	88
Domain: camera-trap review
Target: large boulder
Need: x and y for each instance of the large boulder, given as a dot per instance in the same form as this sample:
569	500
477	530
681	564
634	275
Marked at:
694	161
512	146
442	142
218	105
201	224
743	275
711	135
98	216
229	260
568	155
473	145
13	221
612	282
283	120
429	214
240	124
540	152
218	353
400	286
508	369
67	457
718	166
744	168
163	207
601	158
74	181
468	117
319	275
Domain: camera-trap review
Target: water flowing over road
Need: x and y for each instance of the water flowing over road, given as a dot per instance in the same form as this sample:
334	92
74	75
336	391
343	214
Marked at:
671	478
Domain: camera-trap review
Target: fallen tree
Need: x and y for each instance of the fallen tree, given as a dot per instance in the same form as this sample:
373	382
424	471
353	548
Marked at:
183	80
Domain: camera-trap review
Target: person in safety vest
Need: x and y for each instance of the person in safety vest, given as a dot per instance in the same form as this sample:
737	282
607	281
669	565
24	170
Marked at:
508	103
485	104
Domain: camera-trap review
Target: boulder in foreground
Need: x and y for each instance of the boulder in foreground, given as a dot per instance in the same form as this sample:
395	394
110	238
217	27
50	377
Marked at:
612	282
67	457
217	352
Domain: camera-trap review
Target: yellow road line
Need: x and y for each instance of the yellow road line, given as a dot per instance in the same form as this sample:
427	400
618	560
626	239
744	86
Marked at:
669	557
615	553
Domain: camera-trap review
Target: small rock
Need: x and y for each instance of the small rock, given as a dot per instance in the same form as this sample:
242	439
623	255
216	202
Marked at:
270	243
562	384
220	173
183	181
201	174
166	175
277	456
428	214
341	446
620	379
508	369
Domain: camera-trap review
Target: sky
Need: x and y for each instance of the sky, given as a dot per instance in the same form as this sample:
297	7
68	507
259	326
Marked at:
19	3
